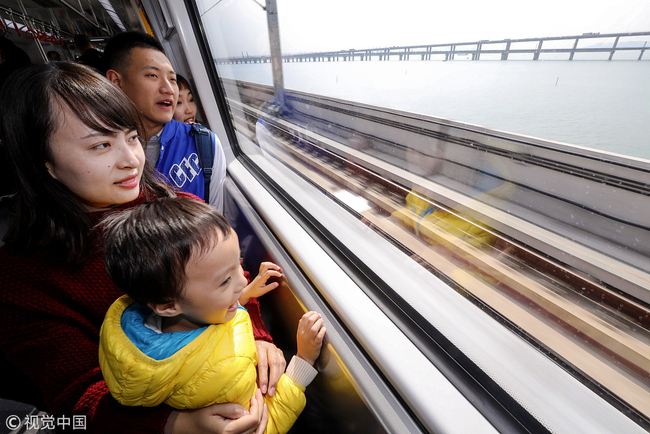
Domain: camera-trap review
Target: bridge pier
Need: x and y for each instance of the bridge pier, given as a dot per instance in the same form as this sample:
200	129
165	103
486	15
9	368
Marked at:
504	55
573	50
539	49
477	54
642	50
611	54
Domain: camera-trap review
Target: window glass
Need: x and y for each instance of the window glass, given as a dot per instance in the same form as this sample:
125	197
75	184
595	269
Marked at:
502	148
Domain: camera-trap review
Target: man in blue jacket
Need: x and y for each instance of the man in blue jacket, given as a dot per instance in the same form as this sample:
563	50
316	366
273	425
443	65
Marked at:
138	65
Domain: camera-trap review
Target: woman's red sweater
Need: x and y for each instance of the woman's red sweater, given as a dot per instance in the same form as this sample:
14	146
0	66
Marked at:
50	316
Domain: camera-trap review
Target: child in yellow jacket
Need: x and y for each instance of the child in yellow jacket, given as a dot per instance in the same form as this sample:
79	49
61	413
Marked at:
180	336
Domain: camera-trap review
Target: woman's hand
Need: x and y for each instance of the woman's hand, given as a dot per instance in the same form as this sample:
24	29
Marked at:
258	286
270	366
224	418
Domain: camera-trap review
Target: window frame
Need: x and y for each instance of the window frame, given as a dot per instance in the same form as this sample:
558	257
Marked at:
401	312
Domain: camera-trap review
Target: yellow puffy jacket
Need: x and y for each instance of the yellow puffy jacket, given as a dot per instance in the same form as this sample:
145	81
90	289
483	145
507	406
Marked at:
217	366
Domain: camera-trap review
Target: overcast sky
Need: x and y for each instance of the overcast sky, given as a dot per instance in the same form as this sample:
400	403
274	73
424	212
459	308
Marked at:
322	25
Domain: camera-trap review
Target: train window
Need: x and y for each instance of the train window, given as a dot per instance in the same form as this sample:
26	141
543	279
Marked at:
448	153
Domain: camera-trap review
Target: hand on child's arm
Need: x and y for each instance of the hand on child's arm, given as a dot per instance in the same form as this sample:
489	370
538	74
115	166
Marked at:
270	366
310	335
258	286
224	418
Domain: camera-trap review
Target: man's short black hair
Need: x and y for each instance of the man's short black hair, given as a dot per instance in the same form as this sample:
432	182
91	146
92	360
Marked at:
119	47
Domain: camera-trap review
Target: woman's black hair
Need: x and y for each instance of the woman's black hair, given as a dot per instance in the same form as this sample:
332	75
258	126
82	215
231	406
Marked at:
46	213
183	83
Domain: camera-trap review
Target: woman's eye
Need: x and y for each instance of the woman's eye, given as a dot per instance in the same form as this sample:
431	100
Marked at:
102	146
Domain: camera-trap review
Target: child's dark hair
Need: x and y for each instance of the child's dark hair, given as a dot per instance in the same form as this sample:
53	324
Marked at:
148	246
118	48
183	83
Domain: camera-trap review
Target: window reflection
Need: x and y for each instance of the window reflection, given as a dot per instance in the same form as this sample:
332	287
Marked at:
552	239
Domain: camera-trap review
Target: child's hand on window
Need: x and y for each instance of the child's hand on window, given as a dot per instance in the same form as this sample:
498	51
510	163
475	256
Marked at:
310	335
258	287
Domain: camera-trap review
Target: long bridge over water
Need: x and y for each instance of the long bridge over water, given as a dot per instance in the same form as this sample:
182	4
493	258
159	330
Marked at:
503	49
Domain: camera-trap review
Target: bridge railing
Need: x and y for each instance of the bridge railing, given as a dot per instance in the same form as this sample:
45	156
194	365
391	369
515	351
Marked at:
503	49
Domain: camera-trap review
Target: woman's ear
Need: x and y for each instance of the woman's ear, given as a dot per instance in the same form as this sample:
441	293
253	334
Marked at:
166	309
50	169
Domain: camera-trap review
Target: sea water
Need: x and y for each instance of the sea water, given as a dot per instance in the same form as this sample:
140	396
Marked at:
603	105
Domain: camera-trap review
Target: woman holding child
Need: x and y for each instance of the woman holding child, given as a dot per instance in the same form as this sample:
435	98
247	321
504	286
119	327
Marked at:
73	139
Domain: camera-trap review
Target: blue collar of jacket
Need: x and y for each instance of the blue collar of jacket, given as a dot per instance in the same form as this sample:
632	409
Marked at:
156	345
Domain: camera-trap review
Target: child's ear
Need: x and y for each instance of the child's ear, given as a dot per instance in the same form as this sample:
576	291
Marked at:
170	309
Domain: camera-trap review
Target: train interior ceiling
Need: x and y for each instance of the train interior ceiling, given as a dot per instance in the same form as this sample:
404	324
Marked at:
40	26
472	280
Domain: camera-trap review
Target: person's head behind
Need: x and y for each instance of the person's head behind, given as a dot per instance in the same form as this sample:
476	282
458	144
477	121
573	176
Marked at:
12	58
177	255
11	52
185	107
138	65
82	43
60	176
53	56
